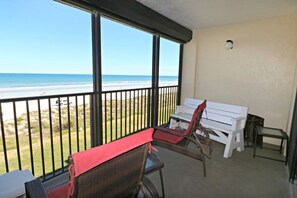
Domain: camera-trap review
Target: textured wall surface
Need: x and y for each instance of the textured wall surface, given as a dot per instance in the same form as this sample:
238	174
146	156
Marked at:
258	72
189	67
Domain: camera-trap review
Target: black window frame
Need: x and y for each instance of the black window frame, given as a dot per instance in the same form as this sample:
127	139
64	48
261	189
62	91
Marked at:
119	14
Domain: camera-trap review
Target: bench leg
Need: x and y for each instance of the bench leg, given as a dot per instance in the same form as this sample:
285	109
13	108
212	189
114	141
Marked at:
234	141
229	145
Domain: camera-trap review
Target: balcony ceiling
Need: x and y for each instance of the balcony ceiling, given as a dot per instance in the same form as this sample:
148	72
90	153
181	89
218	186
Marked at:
196	14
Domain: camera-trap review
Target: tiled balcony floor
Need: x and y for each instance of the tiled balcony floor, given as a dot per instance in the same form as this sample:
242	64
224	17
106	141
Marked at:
238	176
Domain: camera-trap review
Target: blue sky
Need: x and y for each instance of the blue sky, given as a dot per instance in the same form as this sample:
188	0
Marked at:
43	36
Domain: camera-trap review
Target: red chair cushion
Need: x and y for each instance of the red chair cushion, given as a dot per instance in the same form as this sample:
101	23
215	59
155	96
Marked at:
59	192
168	137
174	139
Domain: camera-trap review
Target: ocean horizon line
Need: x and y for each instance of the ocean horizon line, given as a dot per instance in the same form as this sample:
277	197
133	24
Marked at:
86	74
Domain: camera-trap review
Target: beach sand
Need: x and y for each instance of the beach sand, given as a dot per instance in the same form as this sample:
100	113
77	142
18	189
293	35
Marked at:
8	111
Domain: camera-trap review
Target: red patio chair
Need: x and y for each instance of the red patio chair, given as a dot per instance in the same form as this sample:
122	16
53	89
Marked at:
178	140
115	169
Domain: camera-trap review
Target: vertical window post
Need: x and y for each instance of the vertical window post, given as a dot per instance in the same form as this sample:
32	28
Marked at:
180	73
155	80
96	99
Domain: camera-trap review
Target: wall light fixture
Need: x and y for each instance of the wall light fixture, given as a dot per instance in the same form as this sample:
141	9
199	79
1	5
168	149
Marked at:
229	44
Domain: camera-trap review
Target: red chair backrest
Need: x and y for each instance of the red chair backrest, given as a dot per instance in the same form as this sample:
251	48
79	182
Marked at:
195	121
85	161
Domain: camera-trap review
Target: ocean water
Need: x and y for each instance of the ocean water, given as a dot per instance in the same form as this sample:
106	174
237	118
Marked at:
11	80
21	85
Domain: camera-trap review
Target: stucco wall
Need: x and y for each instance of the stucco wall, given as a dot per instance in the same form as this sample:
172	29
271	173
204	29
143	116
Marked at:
294	89
189	68
258	72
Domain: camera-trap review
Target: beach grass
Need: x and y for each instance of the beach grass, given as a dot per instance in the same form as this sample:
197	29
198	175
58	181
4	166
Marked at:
117	122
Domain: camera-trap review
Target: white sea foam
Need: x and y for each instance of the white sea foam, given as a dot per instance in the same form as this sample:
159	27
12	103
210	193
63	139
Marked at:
18	92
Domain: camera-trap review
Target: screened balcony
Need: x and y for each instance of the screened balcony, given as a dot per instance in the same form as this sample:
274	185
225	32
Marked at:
259	72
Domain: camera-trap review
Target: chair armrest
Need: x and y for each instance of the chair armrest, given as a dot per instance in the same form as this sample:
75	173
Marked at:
201	141
35	188
193	139
148	189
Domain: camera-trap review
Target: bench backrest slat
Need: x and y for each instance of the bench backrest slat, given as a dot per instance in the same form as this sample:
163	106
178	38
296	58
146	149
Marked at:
219	112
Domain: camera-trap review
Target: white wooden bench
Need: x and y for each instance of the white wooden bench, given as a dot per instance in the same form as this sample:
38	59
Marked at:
226	121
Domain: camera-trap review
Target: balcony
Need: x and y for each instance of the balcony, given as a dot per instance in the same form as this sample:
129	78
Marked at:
39	133
52	127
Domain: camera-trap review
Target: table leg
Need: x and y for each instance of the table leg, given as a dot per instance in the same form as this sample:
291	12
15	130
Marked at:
287	151
162	183
281	146
255	144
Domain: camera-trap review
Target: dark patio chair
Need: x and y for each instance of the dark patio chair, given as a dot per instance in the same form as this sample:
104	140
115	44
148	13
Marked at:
115	169
250	129
178	140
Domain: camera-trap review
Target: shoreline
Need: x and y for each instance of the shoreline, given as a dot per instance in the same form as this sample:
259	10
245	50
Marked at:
7	107
18	92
